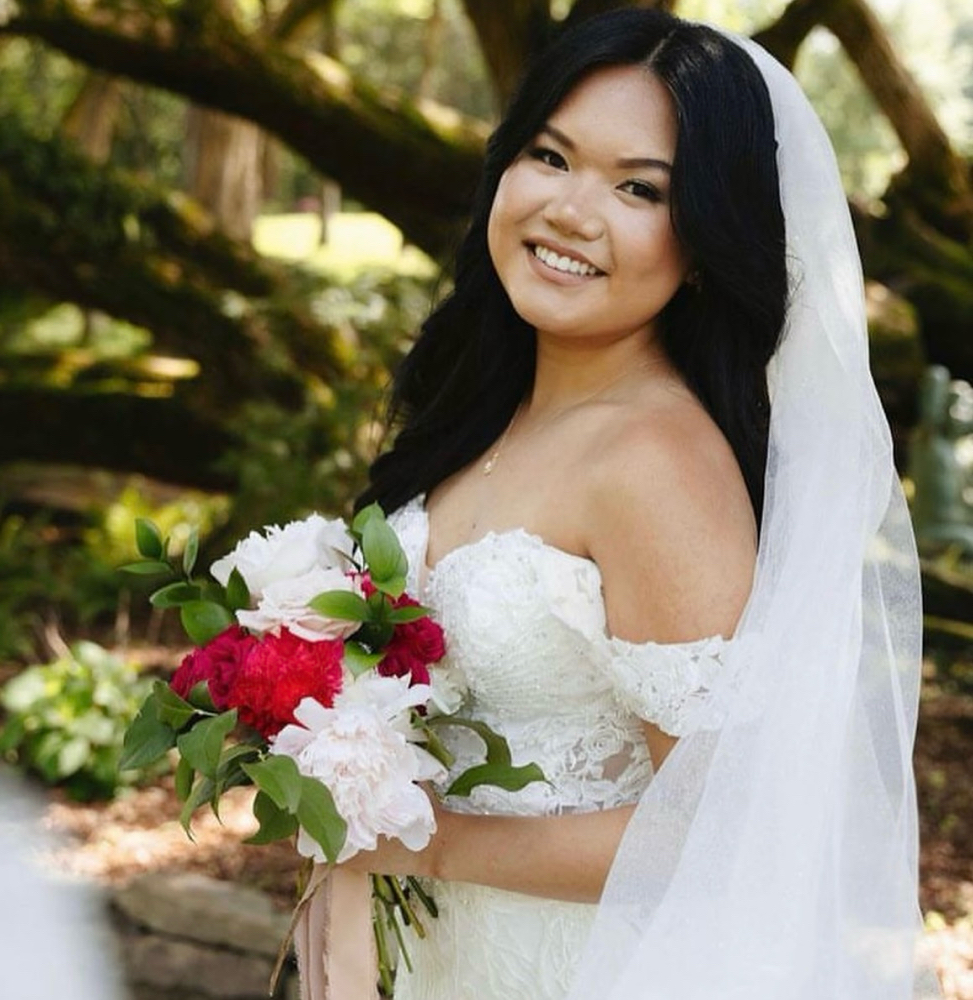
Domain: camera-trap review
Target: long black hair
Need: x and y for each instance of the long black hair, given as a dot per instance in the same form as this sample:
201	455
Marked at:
473	362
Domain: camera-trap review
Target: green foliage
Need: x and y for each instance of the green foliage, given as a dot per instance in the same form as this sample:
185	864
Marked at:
66	720
289	463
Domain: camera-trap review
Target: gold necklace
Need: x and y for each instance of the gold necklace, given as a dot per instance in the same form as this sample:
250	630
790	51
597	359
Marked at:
494	455
491	463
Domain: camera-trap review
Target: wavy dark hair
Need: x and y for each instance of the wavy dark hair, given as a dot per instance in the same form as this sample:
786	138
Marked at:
473	362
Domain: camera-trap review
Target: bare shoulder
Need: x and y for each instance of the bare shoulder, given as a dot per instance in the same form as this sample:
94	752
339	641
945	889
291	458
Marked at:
669	523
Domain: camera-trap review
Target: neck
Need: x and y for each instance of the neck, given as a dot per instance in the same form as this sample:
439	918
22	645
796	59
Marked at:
569	374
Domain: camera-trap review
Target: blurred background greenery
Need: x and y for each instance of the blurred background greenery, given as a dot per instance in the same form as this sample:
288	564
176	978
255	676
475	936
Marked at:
221	222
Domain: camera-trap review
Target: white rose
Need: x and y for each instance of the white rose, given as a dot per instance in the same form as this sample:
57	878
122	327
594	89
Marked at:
361	750
288	552
284	603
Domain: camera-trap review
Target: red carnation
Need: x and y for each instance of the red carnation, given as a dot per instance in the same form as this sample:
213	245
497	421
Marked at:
414	645
217	663
279	672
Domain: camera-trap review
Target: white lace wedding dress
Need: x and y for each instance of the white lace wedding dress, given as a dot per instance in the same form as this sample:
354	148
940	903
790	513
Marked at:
525	623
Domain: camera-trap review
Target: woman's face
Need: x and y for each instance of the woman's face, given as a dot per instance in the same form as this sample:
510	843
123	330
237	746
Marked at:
580	230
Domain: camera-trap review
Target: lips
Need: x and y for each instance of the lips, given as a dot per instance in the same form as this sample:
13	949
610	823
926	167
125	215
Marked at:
563	261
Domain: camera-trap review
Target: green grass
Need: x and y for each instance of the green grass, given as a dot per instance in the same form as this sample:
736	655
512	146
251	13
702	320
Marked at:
357	240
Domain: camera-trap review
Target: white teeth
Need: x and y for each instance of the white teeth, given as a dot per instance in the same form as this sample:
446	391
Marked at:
562	263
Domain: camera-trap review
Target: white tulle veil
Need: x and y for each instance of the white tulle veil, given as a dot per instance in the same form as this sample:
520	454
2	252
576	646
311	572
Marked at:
774	856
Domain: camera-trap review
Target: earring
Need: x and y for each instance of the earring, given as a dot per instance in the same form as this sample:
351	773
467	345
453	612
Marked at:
695	280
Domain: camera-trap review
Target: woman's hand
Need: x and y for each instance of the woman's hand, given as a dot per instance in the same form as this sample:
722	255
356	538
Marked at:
392	857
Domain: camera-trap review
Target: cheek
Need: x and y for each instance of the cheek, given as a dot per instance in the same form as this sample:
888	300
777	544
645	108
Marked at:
501	234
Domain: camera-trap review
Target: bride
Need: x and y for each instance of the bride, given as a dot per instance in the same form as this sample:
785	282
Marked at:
644	481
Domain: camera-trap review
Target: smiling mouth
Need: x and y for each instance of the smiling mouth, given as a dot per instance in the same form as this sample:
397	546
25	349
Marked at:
563	263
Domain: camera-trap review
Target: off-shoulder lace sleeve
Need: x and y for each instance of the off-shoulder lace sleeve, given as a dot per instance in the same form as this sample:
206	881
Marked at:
668	684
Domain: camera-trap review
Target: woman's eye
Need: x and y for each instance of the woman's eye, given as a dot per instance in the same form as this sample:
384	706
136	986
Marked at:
548	157
642	189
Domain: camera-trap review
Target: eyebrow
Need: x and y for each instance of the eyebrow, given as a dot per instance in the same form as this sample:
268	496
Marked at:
628	162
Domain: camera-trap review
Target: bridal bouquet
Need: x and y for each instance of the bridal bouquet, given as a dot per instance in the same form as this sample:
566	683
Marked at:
317	679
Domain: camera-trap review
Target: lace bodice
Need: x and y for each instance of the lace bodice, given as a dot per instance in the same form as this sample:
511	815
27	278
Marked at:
525	624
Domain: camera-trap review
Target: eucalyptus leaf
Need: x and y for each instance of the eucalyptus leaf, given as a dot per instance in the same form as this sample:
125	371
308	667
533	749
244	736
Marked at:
319	817
341	604
191	551
278	777
202	745
204	620
173	595
275	823
148	539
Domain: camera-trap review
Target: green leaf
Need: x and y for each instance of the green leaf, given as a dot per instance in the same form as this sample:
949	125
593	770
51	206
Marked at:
409	613
147	738
504	776
146	567
341	604
204	620
174	711
202	792
199	697
275	823
278	777
237	592
497	749
184	779
319	816
359	660
173	595
230	772
363	517
383	555
201	746
73	756
148	539
190	552
375	635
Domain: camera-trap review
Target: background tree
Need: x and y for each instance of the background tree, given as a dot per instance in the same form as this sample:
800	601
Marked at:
397	116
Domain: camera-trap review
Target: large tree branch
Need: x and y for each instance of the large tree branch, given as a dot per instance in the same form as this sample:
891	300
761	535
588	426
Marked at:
937	177
75	231
510	32
415	163
119	431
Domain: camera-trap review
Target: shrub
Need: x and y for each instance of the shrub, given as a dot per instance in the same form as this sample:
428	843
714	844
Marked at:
66	720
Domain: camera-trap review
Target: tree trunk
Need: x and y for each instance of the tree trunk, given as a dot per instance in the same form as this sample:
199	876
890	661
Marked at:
90	121
224	167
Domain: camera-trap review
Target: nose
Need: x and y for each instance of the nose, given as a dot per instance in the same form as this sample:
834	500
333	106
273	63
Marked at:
572	211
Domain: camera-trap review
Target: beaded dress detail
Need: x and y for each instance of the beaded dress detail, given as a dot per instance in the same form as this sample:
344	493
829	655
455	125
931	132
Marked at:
525	625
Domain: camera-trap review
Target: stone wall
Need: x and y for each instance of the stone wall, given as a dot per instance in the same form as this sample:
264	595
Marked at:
188	937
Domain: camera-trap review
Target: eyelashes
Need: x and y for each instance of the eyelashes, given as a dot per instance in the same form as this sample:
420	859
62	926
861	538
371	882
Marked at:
641	189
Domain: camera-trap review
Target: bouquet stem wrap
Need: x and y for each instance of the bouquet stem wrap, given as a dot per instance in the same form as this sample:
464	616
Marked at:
333	937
